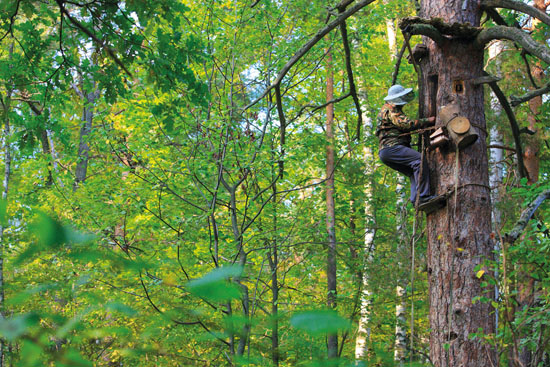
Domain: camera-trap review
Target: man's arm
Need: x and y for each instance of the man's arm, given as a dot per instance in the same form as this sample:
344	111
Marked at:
402	122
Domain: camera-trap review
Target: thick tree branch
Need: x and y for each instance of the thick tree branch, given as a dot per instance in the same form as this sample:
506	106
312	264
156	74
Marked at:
312	42
519	6
352	88
515	100
89	33
513	123
516	35
525	216
436	28
425	30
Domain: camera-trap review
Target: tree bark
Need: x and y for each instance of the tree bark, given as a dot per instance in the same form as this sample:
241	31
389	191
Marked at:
331	217
459	234
6	181
400	346
85	130
532	163
363	331
496	158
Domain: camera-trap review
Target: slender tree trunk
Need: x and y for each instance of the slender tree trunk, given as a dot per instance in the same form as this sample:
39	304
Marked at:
531	161
459	234
363	332
532	147
6	104
400	347
495	163
6	181
331	254
400	306
273	265
85	130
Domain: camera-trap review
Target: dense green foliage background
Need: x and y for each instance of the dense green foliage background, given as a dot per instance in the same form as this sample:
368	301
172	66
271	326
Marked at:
165	254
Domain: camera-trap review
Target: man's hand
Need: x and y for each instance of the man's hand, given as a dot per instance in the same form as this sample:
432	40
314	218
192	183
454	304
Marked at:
431	120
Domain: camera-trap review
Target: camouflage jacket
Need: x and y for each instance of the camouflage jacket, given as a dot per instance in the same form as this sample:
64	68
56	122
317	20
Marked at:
392	124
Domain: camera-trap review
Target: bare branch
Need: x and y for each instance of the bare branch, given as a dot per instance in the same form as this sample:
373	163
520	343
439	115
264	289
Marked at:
312	42
528	68
352	88
513	123
516	35
282	122
519	6
516	101
12	21
398	63
525	216
496	146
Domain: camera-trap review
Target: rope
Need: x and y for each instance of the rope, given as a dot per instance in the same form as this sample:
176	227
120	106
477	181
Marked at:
450	313
420	131
413	240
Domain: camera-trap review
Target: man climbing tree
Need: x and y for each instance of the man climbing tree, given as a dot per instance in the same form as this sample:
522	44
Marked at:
459	238
394	136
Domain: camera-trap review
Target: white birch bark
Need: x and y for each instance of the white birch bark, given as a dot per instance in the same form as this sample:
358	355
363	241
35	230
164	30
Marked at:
363	332
496	157
400	347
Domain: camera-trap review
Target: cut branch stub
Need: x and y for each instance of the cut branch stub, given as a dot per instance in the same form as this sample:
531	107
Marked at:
458	126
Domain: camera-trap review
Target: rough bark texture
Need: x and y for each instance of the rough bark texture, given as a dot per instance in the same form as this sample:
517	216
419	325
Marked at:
459	234
85	130
331	254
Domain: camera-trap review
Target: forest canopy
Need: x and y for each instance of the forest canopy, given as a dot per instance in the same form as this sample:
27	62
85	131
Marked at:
198	184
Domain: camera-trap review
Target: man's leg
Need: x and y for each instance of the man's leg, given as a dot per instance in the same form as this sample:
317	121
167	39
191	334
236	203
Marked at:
408	162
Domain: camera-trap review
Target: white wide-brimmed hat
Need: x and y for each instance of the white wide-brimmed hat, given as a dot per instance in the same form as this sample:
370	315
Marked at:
395	93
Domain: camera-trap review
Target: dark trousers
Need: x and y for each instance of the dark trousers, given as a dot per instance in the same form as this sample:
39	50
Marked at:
407	161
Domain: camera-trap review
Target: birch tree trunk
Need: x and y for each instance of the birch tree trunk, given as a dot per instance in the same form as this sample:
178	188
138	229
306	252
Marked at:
400	306
496	161
459	234
363	332
331	216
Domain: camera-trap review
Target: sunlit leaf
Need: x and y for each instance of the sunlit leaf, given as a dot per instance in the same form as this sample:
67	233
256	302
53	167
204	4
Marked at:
320	322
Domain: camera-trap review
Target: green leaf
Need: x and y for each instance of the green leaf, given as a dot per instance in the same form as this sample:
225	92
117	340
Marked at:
16	326
3	211
215	286
122	308
320	322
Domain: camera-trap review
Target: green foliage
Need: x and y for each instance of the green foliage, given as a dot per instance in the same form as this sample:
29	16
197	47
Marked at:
136	265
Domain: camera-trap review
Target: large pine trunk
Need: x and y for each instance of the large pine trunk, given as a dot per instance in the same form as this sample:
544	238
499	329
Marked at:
458	234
